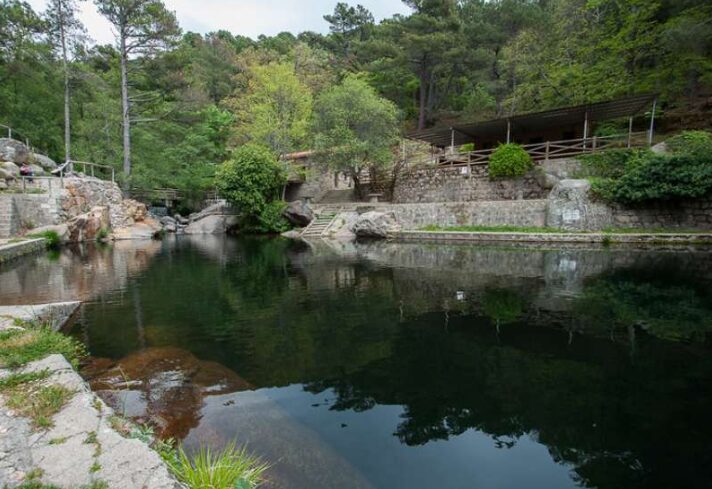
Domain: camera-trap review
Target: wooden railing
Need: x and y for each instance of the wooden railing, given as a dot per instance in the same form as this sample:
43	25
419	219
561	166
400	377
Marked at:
551	149
95	170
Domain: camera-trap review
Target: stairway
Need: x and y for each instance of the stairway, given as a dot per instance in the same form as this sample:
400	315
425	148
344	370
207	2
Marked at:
319	225
339	196
5	217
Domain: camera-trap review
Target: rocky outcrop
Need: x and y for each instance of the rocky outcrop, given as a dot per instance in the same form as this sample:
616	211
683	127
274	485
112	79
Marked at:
212	224
375	225
299	214
571	208
13	151
89	226
9	170
44	162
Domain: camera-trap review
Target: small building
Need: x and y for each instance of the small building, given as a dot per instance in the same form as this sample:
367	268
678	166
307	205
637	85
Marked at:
561	132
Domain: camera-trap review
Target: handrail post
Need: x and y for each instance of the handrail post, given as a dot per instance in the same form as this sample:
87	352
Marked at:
594	144
112	175
547	150
24	185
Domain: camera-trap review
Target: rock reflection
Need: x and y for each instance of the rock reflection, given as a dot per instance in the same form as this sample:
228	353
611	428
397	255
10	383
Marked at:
163	386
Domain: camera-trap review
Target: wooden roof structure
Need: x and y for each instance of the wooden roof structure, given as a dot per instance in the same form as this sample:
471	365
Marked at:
535	121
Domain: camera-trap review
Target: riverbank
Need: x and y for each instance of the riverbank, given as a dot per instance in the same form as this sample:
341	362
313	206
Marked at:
55	430
548	236
15	248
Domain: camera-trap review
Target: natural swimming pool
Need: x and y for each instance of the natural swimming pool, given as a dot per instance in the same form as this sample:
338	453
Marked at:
390	365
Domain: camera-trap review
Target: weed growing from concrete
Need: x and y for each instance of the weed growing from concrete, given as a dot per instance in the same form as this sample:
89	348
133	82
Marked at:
39	403
19	347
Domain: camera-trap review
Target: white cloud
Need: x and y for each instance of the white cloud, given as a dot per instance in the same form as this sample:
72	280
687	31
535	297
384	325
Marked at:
245	17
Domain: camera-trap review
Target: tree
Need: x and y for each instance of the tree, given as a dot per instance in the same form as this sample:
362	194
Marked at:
348	25
65	29
354	128
274	109
143	27
251	180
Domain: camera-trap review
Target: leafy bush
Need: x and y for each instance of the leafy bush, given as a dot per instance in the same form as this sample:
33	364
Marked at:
271	220
51	238
611	163
466	148
509	160
251	181
658	177
695	143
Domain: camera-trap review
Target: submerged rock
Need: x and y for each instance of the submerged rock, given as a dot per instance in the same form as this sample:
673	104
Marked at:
298	213
375	225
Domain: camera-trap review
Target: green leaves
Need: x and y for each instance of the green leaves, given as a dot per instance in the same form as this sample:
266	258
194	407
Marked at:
509	160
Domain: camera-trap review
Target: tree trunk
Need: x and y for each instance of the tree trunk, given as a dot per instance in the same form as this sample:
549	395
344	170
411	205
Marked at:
65	66
423	99
126	109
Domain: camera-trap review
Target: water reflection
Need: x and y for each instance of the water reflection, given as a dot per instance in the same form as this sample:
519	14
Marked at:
403	365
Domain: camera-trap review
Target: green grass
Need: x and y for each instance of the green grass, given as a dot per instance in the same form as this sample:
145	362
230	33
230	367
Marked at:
19	347
16	379
51	238
39	403
493	229
231	468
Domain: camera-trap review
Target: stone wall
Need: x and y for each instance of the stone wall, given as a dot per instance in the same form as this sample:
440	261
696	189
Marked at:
686	214
492	213
462	185
28	211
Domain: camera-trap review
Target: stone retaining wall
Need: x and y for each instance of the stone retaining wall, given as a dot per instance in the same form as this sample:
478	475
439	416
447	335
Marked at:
10	251
525	213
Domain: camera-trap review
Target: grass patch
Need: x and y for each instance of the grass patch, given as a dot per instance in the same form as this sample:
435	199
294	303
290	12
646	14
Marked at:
16	379
35	485
228	469
20	347
58	441
493	229
39	403
51	238
96	467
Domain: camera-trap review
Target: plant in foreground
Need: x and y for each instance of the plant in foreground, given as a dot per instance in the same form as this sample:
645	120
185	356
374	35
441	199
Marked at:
230	468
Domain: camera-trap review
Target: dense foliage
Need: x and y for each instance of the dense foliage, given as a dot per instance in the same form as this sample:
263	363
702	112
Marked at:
354	128
509	160
251	180
634	176
194	98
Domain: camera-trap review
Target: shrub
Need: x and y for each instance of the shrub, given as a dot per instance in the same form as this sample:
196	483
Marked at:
509	160
466	148
250	179
271	220
695	143
611	163
51	238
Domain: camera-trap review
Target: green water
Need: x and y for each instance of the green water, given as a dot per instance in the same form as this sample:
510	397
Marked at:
403	365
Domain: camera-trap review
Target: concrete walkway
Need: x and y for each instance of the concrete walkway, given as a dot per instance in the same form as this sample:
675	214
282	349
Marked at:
11	249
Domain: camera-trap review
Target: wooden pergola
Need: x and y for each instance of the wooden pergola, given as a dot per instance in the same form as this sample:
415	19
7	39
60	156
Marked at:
546	126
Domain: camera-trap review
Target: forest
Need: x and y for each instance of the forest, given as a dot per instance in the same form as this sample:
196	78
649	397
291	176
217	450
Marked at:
187	100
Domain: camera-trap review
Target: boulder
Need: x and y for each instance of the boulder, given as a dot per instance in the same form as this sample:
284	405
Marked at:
213	224
9	170
298	213
14	151
169	224
293	234
546	180
571	208
146	229
181	220
375	225
88	226
3	184
37	170
62	231
134	210
47	163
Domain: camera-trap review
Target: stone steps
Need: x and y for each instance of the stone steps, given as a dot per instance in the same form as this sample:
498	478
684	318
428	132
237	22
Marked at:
319	225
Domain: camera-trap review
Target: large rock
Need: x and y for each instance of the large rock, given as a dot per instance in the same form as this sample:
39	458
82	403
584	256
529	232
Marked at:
15	151
9	170
299	214
212	224
62	231
146	229
88	226
37	170
375	225
570	207
43	161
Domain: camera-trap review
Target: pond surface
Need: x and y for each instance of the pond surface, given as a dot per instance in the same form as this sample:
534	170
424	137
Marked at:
403	365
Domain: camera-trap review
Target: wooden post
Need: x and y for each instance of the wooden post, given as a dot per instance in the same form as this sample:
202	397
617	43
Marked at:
547	150
585	129
112	176
652	122
452	140
509	131
630	130
594	143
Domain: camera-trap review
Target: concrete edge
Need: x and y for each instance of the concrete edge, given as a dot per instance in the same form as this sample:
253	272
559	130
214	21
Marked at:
598	238
10	251
56	314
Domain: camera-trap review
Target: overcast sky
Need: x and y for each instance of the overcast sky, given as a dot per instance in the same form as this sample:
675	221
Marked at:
246	17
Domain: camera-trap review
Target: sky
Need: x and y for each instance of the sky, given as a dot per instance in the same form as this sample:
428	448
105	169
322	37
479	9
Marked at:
245	17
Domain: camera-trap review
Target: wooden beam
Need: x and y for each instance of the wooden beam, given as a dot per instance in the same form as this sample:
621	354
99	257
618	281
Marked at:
652	123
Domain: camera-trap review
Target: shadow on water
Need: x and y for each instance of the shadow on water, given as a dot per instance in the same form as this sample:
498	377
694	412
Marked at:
403	365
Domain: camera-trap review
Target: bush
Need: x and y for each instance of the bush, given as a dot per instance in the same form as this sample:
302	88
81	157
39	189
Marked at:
250	179
466	148
611	163
658	177
695	143
509	160
51	238
271	220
